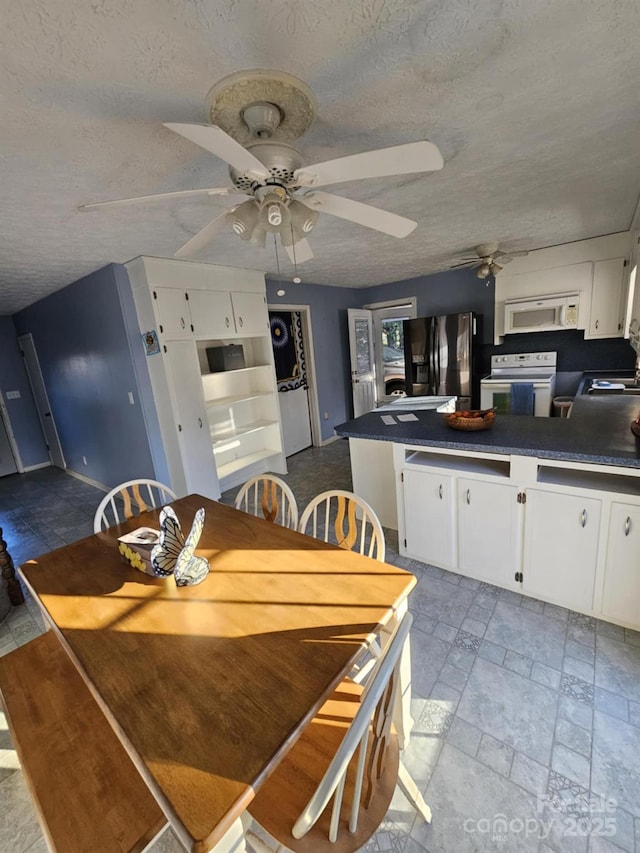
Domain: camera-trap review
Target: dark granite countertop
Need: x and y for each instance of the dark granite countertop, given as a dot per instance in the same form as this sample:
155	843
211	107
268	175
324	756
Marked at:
598	431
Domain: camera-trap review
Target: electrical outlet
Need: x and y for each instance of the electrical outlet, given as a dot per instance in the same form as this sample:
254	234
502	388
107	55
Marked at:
12	395
326	416
84	459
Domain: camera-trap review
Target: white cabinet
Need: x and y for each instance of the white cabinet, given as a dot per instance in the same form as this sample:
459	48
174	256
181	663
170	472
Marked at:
208	431
561	547
211	313
621	593
488	528
608	299
172	314
429	517
191	425
188	314
250	313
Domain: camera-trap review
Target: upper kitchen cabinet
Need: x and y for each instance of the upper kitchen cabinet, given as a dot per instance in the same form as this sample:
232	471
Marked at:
608	299
218	425
592	268
191	314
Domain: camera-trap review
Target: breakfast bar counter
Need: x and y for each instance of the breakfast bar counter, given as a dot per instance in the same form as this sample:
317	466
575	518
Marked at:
598	431
545	507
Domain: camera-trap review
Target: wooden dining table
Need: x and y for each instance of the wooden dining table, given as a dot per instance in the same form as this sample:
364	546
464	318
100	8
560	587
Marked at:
208	686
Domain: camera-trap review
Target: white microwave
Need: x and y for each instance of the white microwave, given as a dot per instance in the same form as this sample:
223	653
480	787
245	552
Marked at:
542	314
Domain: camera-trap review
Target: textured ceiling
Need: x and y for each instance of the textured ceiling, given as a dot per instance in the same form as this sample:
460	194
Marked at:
533	103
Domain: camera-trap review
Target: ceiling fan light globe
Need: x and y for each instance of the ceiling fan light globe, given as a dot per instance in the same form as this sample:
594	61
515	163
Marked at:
483	271
495	268
274	215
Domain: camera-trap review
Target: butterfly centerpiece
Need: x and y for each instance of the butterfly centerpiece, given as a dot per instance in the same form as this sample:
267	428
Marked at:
174	554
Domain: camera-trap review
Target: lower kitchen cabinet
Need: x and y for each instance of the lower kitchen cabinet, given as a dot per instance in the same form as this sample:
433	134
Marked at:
561	534
488	530
621	593
429	517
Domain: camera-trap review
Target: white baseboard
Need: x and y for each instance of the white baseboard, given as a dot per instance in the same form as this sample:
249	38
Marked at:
28	468
88	480
330	440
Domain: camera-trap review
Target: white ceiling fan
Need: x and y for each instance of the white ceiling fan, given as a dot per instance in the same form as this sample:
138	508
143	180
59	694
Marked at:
263	110
489	259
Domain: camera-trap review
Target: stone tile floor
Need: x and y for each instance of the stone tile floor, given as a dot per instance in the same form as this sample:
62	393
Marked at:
527	715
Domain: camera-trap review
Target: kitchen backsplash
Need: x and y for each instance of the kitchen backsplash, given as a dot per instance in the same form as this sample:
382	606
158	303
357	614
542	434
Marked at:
574	353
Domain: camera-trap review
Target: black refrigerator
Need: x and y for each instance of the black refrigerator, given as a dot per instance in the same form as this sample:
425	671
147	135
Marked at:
441	355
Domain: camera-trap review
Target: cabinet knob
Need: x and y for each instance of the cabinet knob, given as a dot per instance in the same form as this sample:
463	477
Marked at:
240	322
468	496
583	518
627	526
226	322
440	491
200	422
182	323
597	323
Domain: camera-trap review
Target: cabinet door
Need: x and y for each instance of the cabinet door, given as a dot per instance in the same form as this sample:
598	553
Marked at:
211	314
607	299
172	313
621	598
250	312
488	530
191	419
429	517
561	535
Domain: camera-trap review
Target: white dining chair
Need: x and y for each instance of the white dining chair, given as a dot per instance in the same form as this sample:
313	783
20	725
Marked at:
348	754
269	497
129	499
347	520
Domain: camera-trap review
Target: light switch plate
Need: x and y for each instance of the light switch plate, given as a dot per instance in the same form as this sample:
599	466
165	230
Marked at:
12	395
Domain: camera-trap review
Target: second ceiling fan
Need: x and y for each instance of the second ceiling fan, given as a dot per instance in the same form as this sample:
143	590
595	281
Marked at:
489	259
264	109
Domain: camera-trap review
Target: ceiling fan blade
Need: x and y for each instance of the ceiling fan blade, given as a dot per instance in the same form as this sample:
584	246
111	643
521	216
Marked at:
363	214
302	251
466	264
202	238
504	255
215	140
121	202
398	160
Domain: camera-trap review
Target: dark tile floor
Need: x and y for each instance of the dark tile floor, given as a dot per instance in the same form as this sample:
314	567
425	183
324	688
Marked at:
527	716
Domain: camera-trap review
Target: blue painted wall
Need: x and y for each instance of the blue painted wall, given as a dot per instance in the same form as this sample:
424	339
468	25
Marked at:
22	412
448	292
81	340
331	343
442	293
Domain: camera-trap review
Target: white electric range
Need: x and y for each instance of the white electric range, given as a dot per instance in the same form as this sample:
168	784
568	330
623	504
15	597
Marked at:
538	368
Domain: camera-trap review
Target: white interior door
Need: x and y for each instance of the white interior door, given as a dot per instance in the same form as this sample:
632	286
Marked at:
362	364
294	374
7	460
296	428
32	366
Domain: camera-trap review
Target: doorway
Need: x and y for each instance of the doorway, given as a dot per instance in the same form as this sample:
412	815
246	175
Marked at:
9	458
292	343
41	399
385	320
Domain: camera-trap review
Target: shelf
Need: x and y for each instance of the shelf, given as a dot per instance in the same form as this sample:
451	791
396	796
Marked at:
618	484
223	438
253	369
241	398
243	462
458	464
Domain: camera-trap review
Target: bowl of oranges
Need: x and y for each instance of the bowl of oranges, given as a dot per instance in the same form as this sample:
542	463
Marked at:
473	419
